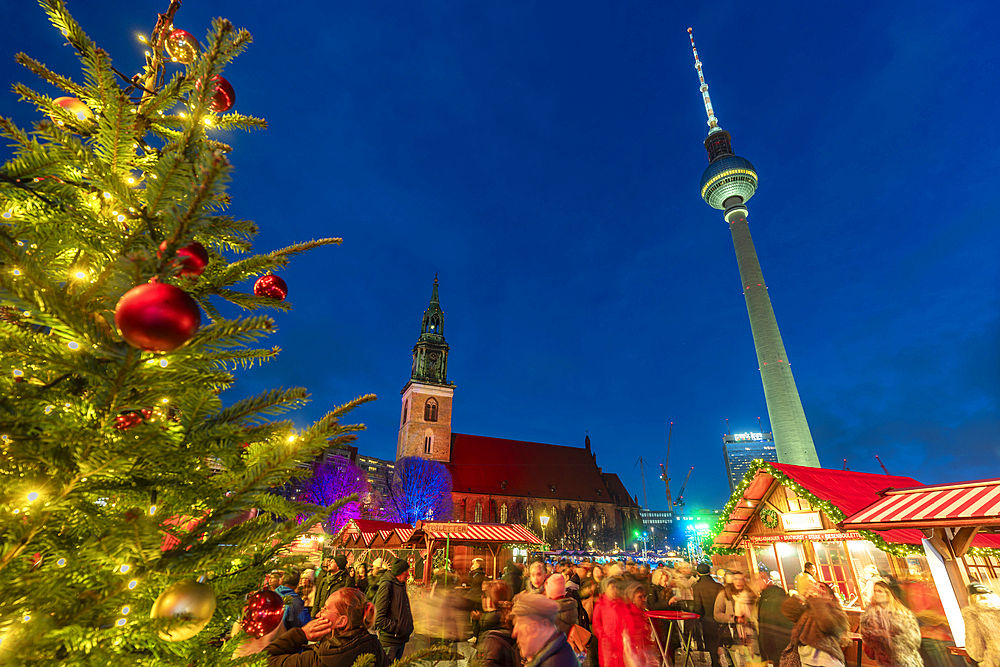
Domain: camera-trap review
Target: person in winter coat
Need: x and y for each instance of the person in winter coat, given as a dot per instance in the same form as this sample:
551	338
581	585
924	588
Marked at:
982	626
535	583
568	616
340	632
889	631
590	589
538	639
393	617
513	576
684	579
296	615
608	622
820	625
361	578
495	646
375	578
333	578
638	642
734	607
706	591
775	629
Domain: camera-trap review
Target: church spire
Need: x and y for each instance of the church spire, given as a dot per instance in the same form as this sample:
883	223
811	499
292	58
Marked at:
430	354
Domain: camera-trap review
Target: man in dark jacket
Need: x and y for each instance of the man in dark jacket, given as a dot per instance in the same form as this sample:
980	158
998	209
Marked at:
538	639
775	628
393	618
340	632
332	579
514	577
705	591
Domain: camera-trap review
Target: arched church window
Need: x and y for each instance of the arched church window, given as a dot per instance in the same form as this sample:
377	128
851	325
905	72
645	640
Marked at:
435	324
406	404
604	519
479	513
431	410
552	514
428	441
503	513
530	513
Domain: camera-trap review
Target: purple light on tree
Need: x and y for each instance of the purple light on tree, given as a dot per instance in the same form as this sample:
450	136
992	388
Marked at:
333	479
420	489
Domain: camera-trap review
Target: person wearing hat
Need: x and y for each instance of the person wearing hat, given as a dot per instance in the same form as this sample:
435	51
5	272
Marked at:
333	578
705	591
538	639
375	576
982	625
393	618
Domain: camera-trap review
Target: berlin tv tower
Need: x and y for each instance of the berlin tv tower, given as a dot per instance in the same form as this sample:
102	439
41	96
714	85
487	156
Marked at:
727	184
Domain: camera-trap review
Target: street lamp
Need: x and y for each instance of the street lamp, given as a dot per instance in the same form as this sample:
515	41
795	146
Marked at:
544	519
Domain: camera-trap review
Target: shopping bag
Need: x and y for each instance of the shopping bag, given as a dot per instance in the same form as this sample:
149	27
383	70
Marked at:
578	637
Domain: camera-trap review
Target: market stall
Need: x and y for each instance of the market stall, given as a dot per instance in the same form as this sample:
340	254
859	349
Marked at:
958	527
367	539
494	542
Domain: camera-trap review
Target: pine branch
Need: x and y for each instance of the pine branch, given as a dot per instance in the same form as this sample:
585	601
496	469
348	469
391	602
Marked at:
252	410
68	85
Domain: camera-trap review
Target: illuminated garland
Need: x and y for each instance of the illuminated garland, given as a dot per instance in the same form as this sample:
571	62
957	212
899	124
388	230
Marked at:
833	512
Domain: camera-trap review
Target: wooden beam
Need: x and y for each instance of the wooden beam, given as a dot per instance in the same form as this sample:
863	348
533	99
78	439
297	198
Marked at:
962	540
940	542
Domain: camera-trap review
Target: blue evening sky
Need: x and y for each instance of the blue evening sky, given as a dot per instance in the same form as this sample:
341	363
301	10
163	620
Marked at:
543	158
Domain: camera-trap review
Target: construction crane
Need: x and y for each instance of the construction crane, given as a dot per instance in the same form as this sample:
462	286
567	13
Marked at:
663	470
882	464
680	496
642	469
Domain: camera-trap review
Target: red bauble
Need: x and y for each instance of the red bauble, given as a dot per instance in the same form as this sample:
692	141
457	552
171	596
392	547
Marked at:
223	95
271	286
157	317
194	258
182	46
263	613
80	110
129	420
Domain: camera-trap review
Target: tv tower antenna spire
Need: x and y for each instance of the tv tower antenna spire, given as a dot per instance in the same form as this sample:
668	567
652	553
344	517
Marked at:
713	122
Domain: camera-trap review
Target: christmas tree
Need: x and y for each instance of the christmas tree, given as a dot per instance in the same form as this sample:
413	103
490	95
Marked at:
126	475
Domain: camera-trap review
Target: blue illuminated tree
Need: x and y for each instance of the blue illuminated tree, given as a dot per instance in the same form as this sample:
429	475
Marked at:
333	479
420	489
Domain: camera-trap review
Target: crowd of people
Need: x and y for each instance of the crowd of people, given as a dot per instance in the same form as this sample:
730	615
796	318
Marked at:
565	614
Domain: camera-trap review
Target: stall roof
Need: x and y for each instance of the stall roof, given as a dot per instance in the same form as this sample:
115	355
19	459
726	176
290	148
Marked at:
846	491
952	505
473	533
367	529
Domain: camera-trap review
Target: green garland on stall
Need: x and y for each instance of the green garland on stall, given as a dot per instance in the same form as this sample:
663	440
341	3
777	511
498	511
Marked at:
833	512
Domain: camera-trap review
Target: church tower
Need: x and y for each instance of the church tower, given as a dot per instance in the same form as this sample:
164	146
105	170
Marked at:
425	422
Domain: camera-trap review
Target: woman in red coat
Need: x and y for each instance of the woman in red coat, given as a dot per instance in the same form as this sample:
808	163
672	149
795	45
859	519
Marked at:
609	614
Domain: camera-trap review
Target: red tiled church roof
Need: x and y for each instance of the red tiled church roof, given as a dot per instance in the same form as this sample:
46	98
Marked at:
480	464
617	489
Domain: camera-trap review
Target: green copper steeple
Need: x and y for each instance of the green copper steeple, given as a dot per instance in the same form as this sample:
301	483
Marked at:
430	354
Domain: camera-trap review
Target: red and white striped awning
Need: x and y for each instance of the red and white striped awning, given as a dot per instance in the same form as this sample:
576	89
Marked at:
475	532
952	505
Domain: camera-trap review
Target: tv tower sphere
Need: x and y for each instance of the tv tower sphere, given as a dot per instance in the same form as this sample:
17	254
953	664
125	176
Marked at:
728	176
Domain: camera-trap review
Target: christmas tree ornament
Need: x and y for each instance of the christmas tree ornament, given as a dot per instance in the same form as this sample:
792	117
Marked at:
182	46
191	602
157	317
271	286
193	258
75	107
131	419
263	613
223	95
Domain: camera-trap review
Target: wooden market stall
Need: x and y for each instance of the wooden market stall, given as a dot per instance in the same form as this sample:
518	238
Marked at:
366	539
958	525
494	542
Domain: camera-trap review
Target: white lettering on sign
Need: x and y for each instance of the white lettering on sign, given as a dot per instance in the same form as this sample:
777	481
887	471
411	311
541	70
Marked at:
747	437
801	521
815	537
445	527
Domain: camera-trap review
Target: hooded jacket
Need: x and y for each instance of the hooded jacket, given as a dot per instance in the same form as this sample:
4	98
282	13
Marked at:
820	623
496	648
393	617
337	651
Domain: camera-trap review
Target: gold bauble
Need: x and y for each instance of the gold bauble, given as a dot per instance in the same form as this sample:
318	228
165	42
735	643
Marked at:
188	600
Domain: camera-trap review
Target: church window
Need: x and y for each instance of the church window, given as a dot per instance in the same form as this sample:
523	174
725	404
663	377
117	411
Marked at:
530	512
553	515
503	513
604	519
479	513
406	404
431	410
428	441
435	324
